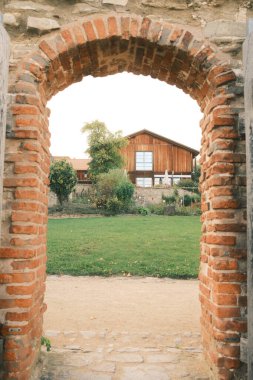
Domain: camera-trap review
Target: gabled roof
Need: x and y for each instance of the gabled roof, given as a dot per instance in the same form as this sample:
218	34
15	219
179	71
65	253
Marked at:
80	163
77	163
146	131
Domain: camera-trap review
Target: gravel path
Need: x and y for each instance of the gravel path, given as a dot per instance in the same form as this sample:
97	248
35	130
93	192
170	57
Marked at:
122	328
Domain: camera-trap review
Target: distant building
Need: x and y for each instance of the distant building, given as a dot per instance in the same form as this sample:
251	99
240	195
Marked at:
80	165
151	159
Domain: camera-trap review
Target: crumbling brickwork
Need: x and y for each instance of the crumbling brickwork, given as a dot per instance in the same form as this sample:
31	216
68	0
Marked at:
101	44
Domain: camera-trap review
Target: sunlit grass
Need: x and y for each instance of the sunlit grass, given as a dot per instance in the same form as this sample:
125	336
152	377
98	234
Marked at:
143	246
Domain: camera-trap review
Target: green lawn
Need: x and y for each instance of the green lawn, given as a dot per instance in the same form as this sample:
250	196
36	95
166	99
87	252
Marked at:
144	246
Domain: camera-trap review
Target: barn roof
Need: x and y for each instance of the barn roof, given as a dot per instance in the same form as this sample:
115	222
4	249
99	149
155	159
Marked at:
194	151
77	163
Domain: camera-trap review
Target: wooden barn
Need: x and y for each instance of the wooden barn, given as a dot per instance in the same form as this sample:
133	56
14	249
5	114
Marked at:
151	159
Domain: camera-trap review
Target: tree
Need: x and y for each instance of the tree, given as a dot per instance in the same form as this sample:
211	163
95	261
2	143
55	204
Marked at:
196	174
62	179
104	148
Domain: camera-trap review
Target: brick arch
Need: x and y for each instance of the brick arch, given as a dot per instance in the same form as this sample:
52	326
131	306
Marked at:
99	46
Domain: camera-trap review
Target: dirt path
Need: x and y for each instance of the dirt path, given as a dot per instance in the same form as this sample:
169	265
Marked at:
123	328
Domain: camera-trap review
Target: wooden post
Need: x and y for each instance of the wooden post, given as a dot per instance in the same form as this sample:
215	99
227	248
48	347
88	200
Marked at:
248	97
4	70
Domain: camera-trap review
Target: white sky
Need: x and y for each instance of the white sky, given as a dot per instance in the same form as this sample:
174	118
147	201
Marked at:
124	102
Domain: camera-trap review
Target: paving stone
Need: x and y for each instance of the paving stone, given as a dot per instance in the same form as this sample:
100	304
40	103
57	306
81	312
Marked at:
69	333
81	375
49	333
144	372
123	3
88	334
178	341
162	358
41	25
174	350
125	358
73	347
73	374
150	349
100	349
55	359
104	367
128	349
196	350
185	375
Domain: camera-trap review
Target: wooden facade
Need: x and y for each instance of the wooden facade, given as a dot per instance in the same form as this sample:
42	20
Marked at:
167	155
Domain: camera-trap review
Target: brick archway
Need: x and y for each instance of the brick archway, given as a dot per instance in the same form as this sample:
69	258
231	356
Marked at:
101	46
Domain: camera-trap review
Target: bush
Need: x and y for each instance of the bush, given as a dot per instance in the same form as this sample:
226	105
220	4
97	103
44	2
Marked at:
113	191
188	184
196	198
73	208
170	199
114	206
124	192
86	197
187	200
187	211
143	210
157	209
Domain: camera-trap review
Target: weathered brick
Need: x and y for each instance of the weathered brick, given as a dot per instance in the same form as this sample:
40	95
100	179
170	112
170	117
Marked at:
134	26
6	253
21	290
100	26
227	288
175	56
225	203
88	28
47	49
24	229
220	240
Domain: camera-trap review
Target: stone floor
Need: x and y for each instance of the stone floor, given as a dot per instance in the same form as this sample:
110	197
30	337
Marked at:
122	328
107	355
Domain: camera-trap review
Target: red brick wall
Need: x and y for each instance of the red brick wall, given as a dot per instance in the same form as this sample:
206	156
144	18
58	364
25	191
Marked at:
101	46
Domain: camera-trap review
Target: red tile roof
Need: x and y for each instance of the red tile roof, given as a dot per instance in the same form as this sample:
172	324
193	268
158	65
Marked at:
77	163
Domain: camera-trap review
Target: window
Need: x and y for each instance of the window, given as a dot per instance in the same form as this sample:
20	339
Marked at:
144	160
144	182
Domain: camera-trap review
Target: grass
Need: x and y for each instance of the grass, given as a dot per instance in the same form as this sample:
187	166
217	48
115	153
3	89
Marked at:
143	246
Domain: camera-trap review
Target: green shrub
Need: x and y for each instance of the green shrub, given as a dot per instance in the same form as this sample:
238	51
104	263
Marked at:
157	209
114	206
187	200
196	198
73	208
143	210
113	191
124	192
85	197
187	211
170	199
188	184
